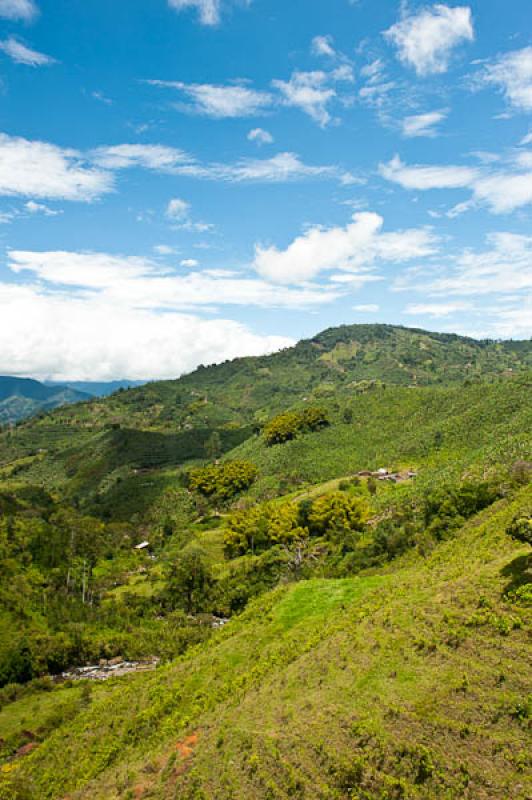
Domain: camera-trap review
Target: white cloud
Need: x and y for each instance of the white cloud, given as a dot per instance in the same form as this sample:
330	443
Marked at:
39	169
86	338
190	263
437	309
352	249
102	98
177	209
425	40
178	212
281	168
18	9
21	54
164	249
512	74
149	156
502	192
260	136
368	308
505	266
208	10
323	46
140	283
40	208
311	92
221	102
427	177
526	139
277	169
422	124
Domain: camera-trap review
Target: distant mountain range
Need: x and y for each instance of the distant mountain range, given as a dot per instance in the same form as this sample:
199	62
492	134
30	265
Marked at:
25	397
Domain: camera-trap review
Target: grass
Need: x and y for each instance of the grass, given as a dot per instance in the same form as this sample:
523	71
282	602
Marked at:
412	686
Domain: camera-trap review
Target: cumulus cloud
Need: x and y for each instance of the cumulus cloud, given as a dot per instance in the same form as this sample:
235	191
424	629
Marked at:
42	170
352	249
88	338
84	314
512	74
426	40
501	191
21	54
422	124
221	102
260	136
18	9
190	263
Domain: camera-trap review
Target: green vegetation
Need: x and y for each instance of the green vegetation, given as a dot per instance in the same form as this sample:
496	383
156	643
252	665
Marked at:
322	634
287	426
223	481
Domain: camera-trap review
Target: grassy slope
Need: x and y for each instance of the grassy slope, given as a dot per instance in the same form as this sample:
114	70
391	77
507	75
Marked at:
409	685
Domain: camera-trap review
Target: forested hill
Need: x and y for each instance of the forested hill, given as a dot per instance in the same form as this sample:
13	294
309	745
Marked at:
247	390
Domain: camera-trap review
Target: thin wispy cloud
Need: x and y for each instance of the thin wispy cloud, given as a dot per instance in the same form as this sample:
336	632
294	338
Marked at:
18	9
21	54
503	191
312	92
260	136
511	73
424	125
220	101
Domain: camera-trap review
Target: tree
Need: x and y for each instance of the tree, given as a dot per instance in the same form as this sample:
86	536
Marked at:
338	516
223	481
189	580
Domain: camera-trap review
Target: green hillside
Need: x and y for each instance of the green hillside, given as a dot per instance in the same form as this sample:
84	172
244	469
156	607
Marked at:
376	639
87	449
412	684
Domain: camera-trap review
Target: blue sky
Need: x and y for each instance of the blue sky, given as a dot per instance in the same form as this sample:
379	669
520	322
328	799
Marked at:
184	181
